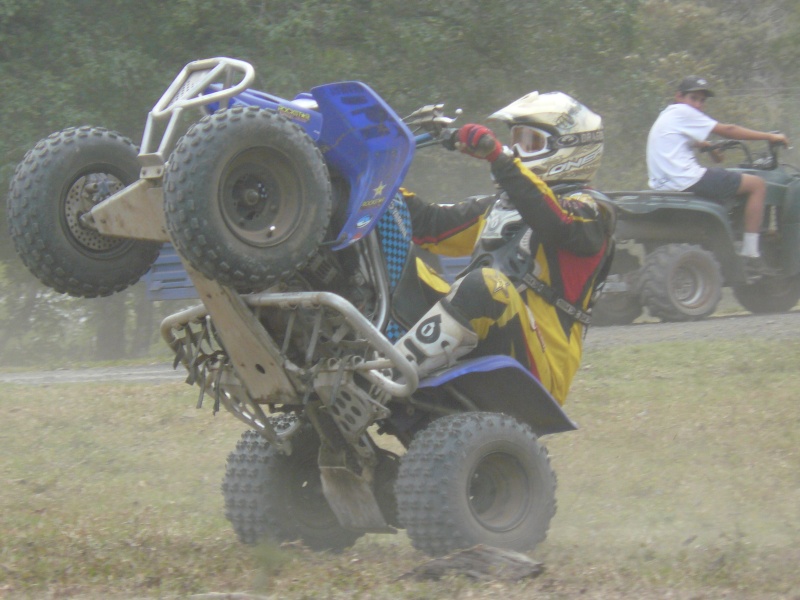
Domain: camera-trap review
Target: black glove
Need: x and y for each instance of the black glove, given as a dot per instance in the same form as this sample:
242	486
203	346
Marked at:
478	141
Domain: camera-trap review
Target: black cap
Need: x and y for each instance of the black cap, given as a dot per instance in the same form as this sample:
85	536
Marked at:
692	83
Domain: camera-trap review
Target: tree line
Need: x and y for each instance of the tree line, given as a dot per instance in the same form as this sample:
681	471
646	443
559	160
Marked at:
106	62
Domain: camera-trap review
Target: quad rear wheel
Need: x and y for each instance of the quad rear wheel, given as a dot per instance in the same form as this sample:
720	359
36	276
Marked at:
247	197
475	478
59	181
769	294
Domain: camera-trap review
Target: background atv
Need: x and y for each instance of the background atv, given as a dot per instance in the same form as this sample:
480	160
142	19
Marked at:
676	251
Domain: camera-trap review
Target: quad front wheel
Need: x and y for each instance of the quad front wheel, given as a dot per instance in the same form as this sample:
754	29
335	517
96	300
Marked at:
681	282
59	181
475	478
247	197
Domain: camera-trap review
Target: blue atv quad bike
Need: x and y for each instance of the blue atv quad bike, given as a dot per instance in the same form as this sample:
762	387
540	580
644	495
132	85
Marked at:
676	251
286	217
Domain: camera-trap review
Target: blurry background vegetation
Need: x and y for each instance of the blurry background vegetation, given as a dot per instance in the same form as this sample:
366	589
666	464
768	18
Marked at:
106	62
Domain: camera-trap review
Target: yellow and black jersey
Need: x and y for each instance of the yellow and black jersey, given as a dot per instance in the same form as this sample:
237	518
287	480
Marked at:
447	229
567	245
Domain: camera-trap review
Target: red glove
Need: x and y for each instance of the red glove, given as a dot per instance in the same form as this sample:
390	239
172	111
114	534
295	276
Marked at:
478	141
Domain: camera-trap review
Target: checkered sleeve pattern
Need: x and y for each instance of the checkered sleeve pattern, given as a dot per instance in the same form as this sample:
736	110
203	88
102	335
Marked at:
394	230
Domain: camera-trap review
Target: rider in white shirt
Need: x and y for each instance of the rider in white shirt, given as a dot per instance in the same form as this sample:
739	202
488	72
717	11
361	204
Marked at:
671	162
683	127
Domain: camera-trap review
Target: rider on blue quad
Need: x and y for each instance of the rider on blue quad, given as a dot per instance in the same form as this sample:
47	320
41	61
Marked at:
539	248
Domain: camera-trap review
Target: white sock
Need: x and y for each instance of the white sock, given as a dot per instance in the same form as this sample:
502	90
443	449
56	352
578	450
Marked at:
750	245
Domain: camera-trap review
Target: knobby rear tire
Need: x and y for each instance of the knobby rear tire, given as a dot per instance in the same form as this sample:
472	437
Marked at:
475	478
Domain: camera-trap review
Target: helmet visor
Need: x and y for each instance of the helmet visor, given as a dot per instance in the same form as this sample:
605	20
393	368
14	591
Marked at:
529	141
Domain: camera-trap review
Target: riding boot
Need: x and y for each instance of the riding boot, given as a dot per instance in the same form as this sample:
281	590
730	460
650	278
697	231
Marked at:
438	339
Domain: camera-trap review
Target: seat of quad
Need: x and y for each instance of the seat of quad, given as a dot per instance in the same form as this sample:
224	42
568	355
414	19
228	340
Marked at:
638	197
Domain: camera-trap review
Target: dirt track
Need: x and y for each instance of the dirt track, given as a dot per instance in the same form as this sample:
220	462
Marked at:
785	325
158	373
558	583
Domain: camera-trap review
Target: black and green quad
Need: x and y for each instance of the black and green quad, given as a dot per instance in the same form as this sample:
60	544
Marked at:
676	250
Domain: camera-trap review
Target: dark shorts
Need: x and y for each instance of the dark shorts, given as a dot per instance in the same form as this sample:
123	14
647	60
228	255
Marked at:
717	184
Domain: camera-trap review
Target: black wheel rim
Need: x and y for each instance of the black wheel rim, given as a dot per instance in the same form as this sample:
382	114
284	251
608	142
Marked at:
499	492
86	192
260	197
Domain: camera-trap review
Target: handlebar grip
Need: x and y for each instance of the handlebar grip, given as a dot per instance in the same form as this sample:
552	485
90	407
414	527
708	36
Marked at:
449	137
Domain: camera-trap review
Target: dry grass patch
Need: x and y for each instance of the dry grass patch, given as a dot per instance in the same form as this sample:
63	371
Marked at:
684	479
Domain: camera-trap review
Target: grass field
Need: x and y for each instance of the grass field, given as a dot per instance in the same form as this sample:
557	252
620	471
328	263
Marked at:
683	482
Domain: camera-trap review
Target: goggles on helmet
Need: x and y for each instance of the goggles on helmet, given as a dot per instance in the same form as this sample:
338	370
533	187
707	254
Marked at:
529	142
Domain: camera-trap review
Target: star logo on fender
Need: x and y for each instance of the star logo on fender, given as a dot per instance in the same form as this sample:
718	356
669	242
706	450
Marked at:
500	285
378	190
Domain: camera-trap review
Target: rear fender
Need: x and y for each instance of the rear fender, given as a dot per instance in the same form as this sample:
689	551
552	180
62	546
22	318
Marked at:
641	203
501	384
302	110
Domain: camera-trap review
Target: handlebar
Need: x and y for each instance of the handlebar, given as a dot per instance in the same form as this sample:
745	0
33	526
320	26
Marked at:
766	162
446	138
434	125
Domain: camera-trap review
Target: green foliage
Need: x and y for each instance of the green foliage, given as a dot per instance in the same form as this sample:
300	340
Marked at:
106	62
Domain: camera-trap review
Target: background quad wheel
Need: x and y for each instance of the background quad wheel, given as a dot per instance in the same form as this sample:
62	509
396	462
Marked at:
619	308
681	282
769	294
247	197
60	180
475	478
278	497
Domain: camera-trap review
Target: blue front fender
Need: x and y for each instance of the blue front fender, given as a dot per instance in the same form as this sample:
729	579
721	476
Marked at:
368	144
501	384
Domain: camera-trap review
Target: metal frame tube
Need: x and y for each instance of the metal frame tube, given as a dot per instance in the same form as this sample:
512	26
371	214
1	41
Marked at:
371	369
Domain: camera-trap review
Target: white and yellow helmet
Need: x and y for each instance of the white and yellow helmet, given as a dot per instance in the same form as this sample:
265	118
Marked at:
554	135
